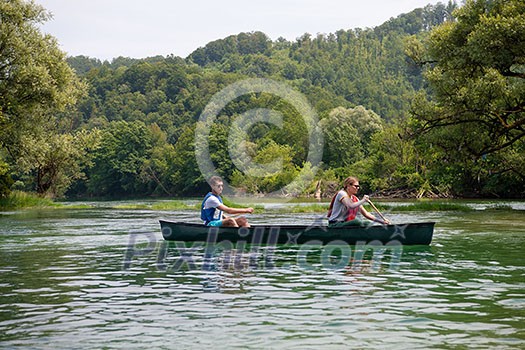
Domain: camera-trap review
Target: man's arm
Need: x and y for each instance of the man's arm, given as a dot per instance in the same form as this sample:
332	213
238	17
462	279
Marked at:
233	211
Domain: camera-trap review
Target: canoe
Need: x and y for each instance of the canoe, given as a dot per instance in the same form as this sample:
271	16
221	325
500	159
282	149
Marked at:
405	234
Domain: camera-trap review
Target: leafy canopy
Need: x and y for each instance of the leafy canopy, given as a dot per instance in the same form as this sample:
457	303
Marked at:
477	76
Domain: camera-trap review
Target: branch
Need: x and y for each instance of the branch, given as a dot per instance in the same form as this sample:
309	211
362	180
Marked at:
516	124
515	75
509	73
423	63
432	124
490	149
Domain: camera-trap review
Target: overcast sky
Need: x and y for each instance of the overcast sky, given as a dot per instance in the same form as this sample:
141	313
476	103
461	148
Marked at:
106	29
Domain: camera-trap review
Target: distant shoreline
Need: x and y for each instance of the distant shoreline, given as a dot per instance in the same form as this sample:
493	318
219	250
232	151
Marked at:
21	200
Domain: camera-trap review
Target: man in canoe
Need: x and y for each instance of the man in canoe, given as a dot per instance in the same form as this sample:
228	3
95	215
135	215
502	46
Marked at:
212	208
345	205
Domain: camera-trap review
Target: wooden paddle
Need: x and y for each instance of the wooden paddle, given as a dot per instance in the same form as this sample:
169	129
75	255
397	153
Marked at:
377	210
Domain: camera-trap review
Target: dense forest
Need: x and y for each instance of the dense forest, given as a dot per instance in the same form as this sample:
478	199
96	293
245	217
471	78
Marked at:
428	104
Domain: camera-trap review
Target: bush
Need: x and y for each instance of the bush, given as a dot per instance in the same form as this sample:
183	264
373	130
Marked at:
19	199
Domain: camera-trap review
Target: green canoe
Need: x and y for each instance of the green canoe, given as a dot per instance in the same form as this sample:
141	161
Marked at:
406	234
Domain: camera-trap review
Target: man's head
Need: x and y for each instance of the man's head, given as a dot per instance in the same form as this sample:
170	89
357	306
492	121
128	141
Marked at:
216	184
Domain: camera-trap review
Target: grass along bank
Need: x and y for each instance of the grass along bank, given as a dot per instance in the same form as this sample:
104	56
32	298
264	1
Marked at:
22	200
418	206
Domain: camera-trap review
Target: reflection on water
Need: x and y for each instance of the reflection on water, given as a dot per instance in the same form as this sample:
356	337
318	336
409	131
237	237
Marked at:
69	279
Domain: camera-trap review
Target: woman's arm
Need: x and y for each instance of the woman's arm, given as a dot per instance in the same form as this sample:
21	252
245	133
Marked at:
351	205
369	216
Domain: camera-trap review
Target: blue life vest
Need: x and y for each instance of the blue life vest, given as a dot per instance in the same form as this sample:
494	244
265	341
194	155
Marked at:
208	215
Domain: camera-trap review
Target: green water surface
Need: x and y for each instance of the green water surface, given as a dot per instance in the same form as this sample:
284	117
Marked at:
104	278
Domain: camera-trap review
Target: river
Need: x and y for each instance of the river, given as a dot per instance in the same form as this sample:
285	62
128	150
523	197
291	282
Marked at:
102	277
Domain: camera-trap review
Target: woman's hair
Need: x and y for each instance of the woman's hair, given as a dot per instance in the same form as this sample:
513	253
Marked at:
350	181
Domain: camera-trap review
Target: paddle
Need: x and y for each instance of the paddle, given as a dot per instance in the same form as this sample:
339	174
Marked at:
377	210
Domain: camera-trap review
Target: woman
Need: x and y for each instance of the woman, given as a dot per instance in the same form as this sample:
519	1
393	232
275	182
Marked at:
345	205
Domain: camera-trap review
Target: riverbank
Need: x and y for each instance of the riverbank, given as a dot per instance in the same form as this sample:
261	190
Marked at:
21	200
24	200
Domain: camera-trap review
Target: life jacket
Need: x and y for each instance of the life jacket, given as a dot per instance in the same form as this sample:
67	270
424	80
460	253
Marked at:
208	215
352	213
331	207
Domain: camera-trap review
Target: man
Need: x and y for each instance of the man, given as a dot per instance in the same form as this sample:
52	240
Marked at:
212	208
345	206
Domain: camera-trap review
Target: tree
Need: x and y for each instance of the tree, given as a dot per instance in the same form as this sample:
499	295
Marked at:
478	75
124	150
154	170
347	134
34	76
35	80
54	161
273	171
5	180
342	144
476	71
185	175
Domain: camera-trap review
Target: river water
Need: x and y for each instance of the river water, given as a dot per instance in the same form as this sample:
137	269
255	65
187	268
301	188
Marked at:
104	278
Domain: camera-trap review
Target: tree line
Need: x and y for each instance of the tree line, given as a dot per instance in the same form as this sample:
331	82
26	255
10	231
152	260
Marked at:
430	103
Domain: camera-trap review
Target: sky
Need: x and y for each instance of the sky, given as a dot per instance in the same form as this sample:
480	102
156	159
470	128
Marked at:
106	29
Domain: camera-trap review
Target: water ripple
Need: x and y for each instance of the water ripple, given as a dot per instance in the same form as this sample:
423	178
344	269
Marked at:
65	283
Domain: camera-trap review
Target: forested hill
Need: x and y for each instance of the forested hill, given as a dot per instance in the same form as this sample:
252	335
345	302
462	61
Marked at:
411	107
351	67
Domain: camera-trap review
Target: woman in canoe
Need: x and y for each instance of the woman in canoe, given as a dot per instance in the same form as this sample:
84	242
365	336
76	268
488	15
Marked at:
212	208
345	205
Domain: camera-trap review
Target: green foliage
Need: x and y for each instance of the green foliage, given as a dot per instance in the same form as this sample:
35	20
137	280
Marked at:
336	70
311	208
155	169
35	76
133	131
397	166
83	64
230	202
55	160
123	151
348	133
272	170
383	207
429	206
35	83
342	142
5	180
241	44
185	175
18	200
476	112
